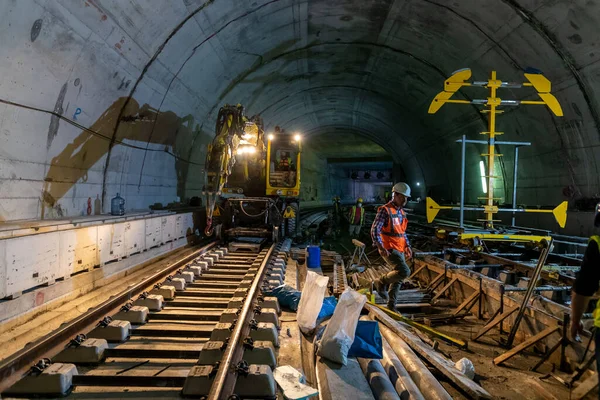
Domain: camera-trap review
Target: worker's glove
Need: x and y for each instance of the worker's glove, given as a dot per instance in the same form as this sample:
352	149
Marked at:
408	253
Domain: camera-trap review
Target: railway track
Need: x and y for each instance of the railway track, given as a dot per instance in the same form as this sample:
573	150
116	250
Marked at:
199	328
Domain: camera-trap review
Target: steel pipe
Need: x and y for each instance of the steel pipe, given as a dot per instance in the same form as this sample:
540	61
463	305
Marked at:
398	374
429	386
380	383
539	289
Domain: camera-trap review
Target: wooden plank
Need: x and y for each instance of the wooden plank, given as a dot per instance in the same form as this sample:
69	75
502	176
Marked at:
433	284
444	366
443	290
529	342
499	318
421	268
468	300
424	328
585	387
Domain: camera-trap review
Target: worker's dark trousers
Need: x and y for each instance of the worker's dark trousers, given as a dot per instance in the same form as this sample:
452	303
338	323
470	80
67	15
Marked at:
401	271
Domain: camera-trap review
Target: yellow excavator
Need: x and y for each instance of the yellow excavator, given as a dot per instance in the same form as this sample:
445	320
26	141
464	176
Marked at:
256	185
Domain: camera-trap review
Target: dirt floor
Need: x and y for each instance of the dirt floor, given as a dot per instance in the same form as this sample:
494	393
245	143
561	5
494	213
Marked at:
512	380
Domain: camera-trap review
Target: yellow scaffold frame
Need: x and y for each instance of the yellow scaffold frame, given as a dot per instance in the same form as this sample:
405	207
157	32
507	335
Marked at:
458	80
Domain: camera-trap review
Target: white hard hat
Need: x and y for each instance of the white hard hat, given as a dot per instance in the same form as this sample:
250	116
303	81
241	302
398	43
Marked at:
401	188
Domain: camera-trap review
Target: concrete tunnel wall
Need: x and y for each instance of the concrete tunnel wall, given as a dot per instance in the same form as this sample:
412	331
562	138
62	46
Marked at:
147	80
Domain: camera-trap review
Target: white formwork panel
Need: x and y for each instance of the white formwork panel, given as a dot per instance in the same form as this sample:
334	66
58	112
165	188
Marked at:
3	268
111	242
135	237
168	228
153	232
179	226
188	223
31	261
78	250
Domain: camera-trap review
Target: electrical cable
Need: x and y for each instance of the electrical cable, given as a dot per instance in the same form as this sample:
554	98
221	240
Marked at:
93	132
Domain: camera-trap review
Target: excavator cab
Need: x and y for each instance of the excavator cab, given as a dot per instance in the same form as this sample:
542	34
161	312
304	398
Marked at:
283	176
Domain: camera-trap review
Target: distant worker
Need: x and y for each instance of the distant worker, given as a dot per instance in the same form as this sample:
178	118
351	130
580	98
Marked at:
337	209
586	284
389	235
356	217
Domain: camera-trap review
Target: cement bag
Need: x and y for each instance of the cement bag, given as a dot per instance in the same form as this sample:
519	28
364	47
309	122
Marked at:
339	333
311	301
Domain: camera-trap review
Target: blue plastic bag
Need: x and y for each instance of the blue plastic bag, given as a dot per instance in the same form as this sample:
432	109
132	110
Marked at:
287	296
327	308
367	341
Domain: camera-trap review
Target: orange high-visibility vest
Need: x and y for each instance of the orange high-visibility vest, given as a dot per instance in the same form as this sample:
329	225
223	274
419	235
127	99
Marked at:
393	233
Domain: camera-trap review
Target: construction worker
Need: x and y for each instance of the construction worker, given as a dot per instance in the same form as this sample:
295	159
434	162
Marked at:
586	284
389	235
356	217
284	161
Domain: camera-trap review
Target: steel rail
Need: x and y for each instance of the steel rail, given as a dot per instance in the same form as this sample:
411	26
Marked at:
224	382
30	354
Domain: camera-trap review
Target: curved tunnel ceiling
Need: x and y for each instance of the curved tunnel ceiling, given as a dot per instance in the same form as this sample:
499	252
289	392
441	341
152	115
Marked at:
336	69
373	67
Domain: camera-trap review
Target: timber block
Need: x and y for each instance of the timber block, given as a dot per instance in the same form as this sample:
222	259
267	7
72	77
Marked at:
262	352
257	383
212	352
90	351
265	331
177	283
240	292
246	283
194	269
221	332
56	379
270	302
135	315
166	291
114	332
199	381
153	302
267	315
236	302
187	276
229	315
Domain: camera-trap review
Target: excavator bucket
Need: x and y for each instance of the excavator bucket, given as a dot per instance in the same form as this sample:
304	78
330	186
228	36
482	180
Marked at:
560	213
432	209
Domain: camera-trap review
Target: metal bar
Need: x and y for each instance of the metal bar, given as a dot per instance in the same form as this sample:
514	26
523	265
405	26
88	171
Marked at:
514	202
530	289
30	354
539	289
499	142
454	266
224	382
462	180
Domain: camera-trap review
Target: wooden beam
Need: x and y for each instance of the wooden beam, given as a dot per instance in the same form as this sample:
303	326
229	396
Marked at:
421	268
499	318
468	300
444	366
443	290
585	387
522	346
436	281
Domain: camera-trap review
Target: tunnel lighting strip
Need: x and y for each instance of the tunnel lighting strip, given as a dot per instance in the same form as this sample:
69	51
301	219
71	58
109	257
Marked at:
482	171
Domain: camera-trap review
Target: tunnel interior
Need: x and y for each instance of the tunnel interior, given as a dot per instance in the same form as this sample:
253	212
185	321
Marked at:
103	97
